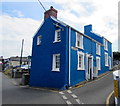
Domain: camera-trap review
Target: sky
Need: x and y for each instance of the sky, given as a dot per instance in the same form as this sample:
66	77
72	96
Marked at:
20	19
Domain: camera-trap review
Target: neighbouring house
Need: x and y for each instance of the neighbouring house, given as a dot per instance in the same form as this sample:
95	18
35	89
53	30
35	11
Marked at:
63	56
4	63
1	63
15	61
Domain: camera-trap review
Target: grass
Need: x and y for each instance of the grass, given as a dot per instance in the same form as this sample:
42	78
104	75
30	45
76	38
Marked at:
8	71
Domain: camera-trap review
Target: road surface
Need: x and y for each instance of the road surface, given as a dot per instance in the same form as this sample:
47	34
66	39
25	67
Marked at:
91	93
12	94
95	92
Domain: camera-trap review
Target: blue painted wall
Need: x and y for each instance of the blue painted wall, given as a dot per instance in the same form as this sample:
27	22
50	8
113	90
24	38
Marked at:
41	73
88	31
76	75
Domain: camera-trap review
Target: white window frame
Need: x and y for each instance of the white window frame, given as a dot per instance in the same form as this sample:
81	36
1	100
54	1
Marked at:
54	63
56	36
82	61
39	40
105	44
98	64
106	59
97	49
78	35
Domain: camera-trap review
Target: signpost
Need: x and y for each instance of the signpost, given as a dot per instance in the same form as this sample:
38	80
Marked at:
116	88
116	75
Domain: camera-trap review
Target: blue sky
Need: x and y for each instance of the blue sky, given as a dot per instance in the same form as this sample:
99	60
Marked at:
20	20
28	9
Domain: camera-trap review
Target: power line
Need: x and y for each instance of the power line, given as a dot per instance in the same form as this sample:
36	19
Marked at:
41	5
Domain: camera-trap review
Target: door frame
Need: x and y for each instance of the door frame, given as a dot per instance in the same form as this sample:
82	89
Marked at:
97	68
88	74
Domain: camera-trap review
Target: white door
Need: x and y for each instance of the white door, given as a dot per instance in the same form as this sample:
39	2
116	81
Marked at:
97	66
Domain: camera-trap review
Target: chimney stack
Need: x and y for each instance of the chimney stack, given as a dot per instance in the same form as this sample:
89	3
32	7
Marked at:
87	29
51	12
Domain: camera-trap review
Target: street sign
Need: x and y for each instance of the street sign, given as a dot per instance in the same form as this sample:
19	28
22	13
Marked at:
116	88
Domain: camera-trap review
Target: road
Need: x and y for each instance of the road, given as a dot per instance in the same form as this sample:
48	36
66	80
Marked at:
96	92
91	93
12	94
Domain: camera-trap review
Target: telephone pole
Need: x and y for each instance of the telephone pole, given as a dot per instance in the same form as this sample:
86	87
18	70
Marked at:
21	52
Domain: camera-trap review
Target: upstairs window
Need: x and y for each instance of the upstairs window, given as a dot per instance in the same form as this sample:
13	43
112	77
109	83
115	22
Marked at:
97	49
57	36
79	40
80	61
56	62
98	63
106	59
39	40
105	44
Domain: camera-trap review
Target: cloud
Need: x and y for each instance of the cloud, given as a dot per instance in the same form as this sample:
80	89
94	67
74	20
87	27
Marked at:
13	31
18	13
102	14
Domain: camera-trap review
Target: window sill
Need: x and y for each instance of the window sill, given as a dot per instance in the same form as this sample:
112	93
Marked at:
38	44
106	49
57	41
79	47
107	65
57	70
98	54
80	69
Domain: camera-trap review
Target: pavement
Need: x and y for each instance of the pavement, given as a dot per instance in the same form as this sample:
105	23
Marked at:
95	92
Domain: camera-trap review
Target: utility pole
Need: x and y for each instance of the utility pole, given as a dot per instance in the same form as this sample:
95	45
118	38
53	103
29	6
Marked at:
21	52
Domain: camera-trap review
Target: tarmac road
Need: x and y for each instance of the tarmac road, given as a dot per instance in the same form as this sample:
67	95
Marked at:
95	92
91	93
12	94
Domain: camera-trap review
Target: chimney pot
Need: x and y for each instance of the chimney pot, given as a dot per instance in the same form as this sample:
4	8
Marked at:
51	7
51	12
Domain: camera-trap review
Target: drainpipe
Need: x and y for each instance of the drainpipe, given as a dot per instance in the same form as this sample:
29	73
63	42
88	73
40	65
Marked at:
69	30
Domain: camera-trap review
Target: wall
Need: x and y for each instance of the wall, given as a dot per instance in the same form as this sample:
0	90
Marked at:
88	31
41	73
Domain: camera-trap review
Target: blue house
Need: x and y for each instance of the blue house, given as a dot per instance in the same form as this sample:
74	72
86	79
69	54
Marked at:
63	56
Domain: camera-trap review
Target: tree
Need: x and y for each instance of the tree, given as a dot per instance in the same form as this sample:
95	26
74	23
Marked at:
116	56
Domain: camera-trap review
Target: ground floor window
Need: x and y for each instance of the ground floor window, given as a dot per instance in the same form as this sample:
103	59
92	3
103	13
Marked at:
80	61
56	62
98	63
